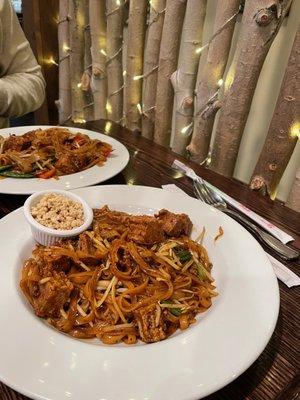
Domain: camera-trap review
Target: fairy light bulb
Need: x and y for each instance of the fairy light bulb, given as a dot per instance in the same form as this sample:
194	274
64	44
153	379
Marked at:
108	126
139	107
295	130
79	85
108	107
137	77
220	82
102	51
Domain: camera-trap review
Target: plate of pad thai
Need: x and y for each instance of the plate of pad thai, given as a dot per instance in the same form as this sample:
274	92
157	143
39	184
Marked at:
157	299
34	158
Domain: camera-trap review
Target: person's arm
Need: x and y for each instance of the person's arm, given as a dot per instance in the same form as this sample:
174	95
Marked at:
22	86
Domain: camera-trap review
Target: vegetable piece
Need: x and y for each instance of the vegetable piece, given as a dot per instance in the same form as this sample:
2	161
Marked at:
46	174
201	272
183	254
5	167
174	311
12	174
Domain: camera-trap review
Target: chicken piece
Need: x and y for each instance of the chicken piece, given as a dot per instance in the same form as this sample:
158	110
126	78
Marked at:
174	224
18	143
56	262
142	229
52	296
88	254
70	163
150	331
145	230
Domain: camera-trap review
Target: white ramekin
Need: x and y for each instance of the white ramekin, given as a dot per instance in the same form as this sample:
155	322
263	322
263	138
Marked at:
48	236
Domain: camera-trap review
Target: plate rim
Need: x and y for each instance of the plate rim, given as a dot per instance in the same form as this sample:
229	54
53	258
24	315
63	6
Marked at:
217	385
104	135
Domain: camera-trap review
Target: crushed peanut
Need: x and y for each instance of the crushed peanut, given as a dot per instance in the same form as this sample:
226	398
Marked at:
58	212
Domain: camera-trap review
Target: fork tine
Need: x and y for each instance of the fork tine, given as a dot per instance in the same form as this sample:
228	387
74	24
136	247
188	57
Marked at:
202	194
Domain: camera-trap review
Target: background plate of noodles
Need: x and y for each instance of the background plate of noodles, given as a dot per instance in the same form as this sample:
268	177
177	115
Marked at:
41	362
51	157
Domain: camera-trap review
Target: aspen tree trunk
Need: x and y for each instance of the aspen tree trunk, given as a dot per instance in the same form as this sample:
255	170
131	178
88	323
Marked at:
283	130
76	25
293	200
86	76
184	79
151	57
115	16
260	23
168	57
206	104
135	47
64	102
98	50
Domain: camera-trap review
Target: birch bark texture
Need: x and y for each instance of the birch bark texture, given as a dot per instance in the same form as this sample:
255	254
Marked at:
115	20
184	79
283	130
77	23
86	76
98	50
207	86
64	102
135	50
293	200
151	58
260	23
168	57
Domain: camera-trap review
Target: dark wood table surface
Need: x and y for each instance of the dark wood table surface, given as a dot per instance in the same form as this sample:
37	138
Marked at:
275	374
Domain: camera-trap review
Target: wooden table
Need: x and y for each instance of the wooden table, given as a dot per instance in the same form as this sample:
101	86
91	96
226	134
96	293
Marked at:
275	374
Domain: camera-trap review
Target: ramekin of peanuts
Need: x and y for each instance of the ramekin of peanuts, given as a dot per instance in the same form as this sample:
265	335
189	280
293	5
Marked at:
56	214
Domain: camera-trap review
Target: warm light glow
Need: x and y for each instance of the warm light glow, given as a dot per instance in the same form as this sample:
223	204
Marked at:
65	47
79	85
295	130
137	77
79	121
108	107
139	107
108	126
124	73
186	129
220	82
200	49
50	61
118	3
102	51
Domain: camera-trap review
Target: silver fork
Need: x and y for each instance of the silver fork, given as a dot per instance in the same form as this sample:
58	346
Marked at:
209	196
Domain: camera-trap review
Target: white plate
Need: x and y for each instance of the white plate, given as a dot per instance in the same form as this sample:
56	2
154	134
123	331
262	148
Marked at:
115	163
42	363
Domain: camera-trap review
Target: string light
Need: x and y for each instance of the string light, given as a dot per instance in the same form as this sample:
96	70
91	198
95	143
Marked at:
200	49
102	51
295	130
108	107
186	130
79	120
220	82
137	77
139	107
124	73
66	47
79	85
50	61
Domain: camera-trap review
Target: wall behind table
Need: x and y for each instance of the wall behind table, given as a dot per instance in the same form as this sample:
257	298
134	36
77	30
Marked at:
265	97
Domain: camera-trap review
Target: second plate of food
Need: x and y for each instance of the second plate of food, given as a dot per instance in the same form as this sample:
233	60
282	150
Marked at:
134	308
34	158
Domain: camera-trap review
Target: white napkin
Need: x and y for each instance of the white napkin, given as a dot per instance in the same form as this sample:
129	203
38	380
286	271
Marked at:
285	275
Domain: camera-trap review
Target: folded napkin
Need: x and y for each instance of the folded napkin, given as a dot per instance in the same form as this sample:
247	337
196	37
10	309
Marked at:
285	275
